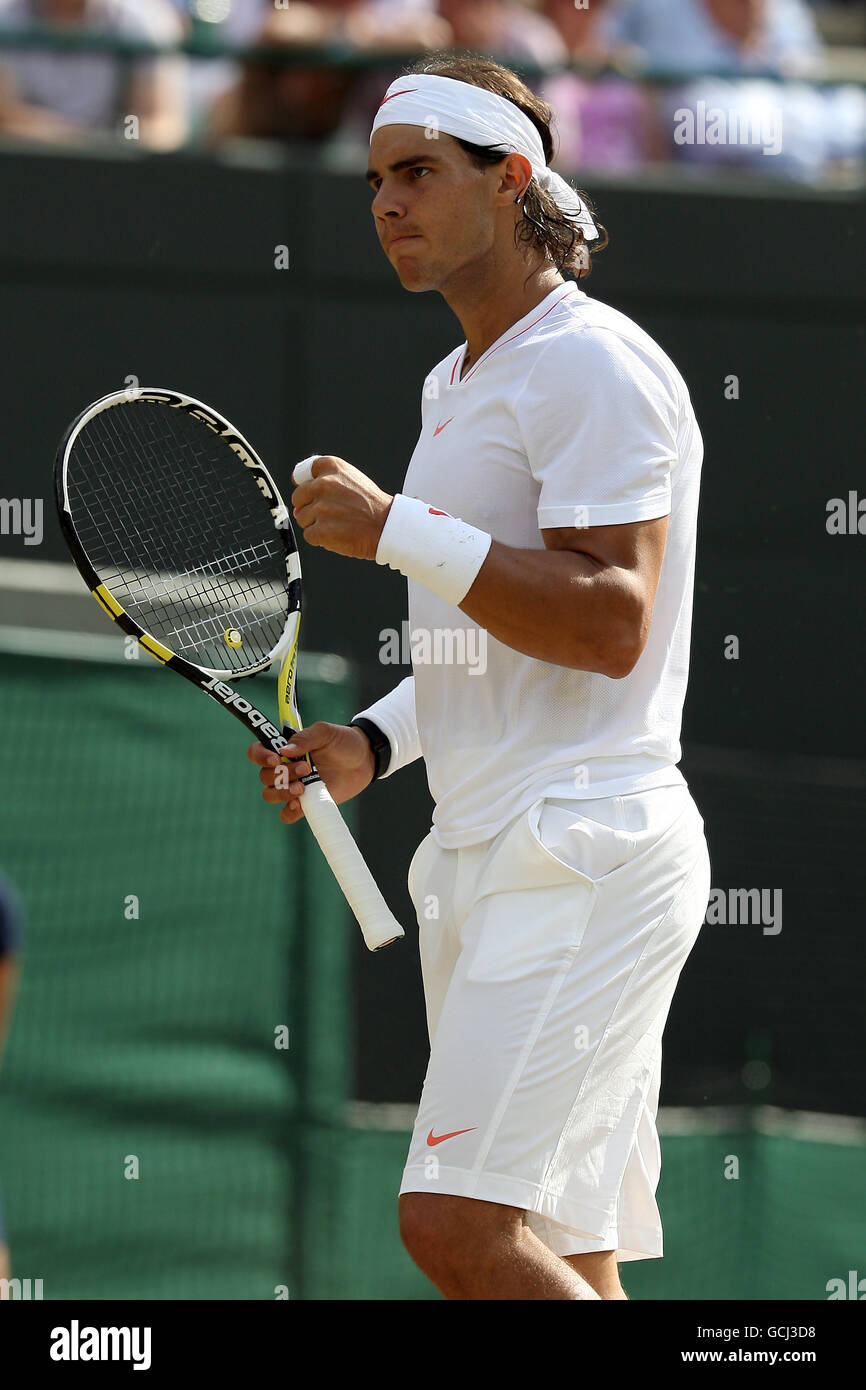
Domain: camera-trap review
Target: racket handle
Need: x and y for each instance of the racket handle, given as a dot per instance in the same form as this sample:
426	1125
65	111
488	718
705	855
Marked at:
378	925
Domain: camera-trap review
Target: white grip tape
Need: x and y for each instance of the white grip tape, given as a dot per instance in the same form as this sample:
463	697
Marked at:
438	550
377	923
303	471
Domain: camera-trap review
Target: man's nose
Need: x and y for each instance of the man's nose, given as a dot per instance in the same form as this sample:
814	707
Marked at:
386	202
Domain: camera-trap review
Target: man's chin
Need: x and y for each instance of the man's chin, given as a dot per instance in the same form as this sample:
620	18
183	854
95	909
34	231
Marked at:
415	281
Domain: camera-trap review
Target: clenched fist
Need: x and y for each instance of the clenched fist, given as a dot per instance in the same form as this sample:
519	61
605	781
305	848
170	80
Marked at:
340	508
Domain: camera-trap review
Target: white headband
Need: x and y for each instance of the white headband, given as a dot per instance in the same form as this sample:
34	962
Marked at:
446	105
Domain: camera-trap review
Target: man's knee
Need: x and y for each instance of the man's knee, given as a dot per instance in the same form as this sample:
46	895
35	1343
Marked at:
600	1270
426	1226
443	1233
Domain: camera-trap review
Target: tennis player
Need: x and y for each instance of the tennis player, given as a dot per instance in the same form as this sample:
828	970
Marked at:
549	511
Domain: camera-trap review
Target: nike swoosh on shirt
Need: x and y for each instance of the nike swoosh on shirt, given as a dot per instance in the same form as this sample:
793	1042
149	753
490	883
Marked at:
440	428
440	1138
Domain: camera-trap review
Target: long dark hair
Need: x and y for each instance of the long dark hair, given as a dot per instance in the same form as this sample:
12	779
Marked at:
543	224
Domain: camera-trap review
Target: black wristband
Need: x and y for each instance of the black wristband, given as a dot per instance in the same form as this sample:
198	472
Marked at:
378	742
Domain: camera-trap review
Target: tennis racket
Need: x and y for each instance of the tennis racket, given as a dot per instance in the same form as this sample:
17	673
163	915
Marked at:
181	535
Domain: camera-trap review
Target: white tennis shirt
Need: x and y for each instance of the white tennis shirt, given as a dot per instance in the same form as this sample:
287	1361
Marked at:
573	417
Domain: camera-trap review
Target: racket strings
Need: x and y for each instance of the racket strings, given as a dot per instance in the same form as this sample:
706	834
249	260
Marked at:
179	533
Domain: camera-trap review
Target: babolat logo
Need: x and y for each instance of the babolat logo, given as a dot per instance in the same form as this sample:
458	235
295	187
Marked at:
230	436
252	716
77	1343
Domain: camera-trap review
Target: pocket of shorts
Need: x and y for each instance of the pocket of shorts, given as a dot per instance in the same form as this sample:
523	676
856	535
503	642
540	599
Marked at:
527	925
521	860
582	842
415	866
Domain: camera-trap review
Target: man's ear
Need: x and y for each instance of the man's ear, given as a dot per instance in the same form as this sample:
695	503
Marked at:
516	177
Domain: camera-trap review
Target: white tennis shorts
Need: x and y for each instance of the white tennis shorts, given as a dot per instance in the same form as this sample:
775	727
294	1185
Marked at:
550	955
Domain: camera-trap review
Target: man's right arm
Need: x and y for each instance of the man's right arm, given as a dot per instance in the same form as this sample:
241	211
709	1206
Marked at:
342	753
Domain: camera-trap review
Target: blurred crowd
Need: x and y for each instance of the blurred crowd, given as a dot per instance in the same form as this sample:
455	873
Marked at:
717	102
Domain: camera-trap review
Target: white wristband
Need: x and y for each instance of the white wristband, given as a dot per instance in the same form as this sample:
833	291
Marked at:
439	551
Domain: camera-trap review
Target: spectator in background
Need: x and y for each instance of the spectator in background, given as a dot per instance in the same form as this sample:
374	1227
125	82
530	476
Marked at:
718	35
506	29
68	97
236	23
299	104
503	26
604	122
9	944
733	116
581	30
